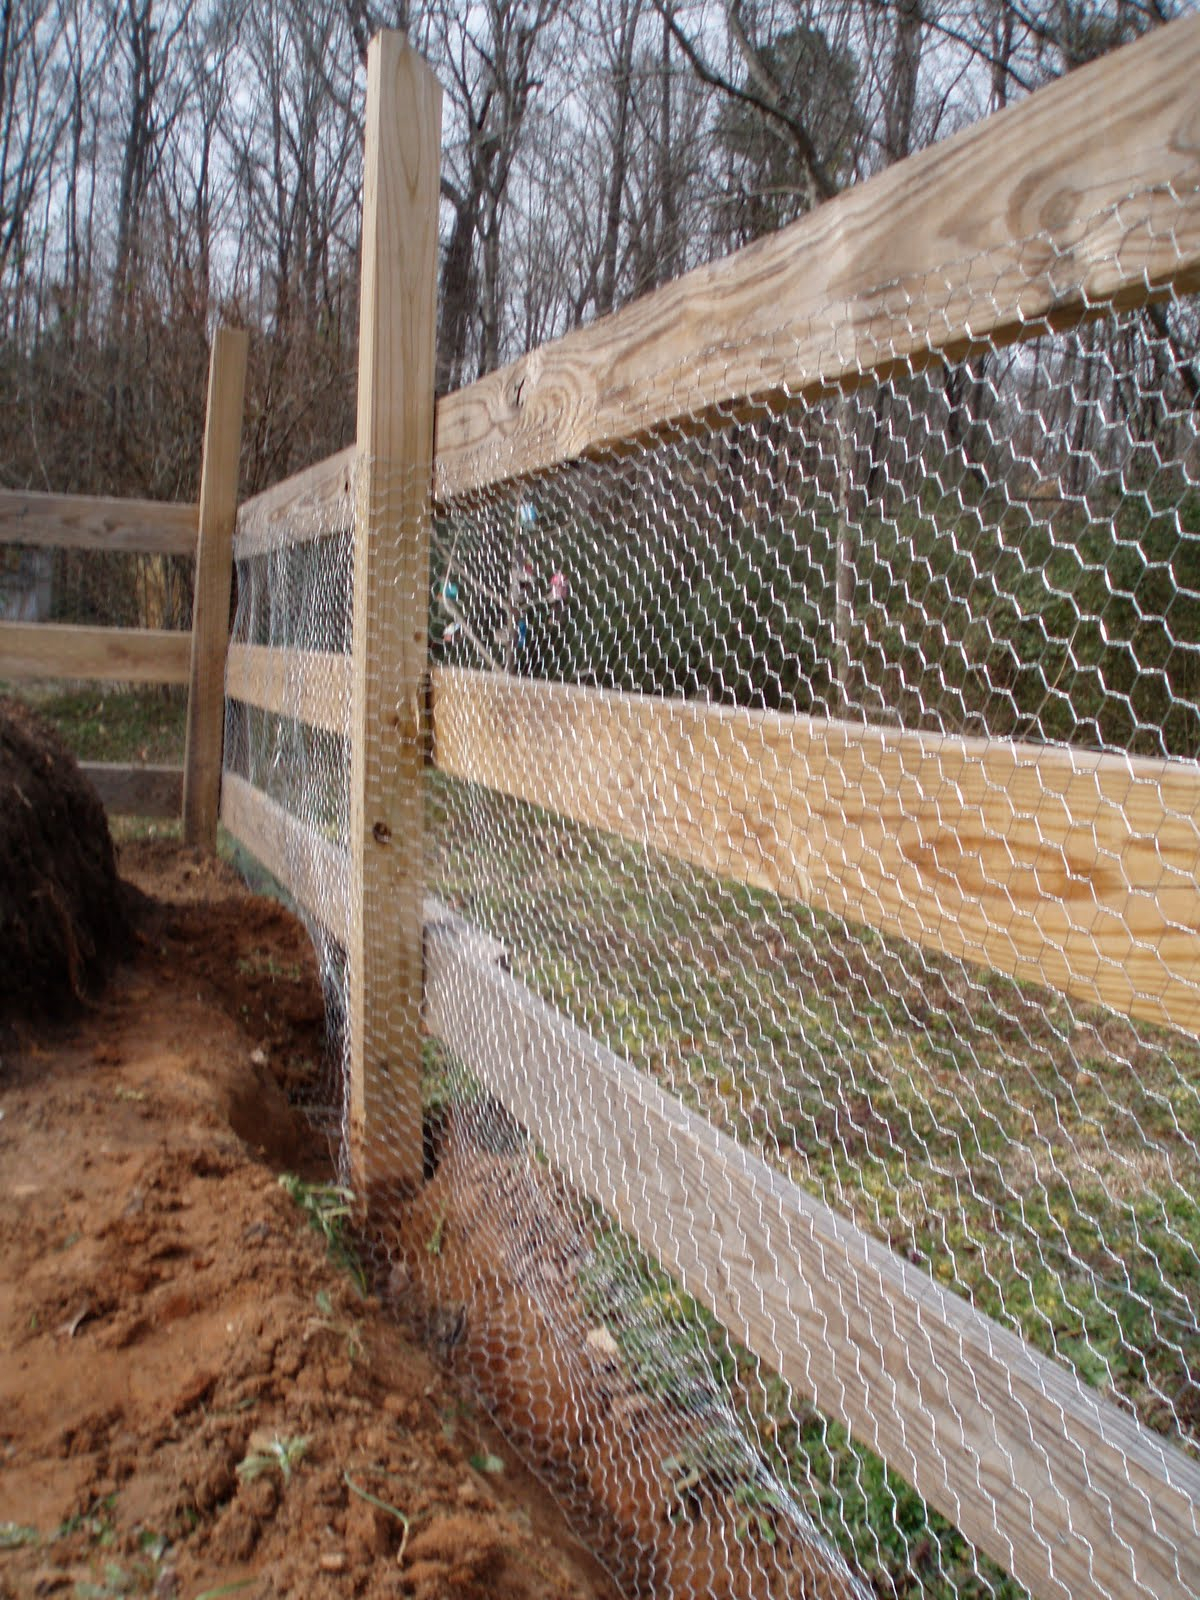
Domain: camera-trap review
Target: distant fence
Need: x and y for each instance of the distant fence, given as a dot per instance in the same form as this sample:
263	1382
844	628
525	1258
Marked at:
56	651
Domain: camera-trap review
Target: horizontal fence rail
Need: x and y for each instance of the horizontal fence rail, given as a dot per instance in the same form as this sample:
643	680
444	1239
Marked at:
834	297
1052	865
311	685
93	522
307	505
136	791
838	295
303	861
995	1436
46	650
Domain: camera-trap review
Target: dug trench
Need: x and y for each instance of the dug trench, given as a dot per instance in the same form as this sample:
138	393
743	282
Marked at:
195	1398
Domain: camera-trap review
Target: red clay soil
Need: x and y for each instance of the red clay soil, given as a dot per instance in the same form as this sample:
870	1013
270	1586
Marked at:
167	1314
599	1438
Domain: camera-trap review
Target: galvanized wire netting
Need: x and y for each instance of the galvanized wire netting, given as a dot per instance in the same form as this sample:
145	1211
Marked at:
750	749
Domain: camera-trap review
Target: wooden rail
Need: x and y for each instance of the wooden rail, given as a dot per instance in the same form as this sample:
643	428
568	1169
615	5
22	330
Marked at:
1058	866
1026	220
91	522
309	866
312	686
317	501
32	650
132	791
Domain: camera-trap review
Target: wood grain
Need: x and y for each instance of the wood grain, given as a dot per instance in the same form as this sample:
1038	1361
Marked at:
313	869
1057	866
214	576
317	501
394	476
312	686
131	791
91	522
32	650
1065	1491
1025	220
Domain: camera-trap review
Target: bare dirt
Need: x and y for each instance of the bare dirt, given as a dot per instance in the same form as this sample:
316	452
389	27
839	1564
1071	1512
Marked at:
167	1315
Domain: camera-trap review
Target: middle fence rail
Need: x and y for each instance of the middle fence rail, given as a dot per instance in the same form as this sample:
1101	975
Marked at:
1051	887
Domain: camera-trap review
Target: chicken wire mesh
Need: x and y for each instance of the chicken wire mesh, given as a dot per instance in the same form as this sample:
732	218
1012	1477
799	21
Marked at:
752	750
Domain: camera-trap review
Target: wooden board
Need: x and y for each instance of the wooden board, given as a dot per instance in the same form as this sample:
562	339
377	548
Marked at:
1061	867
129	791
308	505
1064	1490
394	477
91	522
214	576
1027	218
312	686
313	869
31	650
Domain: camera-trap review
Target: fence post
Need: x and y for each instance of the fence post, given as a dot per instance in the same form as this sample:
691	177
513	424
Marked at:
214	569
390	611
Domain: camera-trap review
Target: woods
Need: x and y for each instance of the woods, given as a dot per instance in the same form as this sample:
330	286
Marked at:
166	165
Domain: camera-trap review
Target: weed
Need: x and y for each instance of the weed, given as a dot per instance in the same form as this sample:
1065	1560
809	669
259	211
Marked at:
96	1522
116	1582
15	1534
328	1322
276	1455
152	1544
433	1245
756	1505
327	1206
266	965
484	1461
380	1505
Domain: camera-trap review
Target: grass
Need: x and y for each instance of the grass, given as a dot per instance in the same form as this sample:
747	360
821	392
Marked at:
1039	1157
122	724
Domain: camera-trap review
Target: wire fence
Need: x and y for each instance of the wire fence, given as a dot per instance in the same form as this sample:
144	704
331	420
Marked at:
811	1088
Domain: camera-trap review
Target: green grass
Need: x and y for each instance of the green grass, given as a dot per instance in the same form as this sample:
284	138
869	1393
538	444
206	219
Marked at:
121	725
1036	1156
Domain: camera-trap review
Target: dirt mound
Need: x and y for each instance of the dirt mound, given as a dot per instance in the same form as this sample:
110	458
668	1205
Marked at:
63	922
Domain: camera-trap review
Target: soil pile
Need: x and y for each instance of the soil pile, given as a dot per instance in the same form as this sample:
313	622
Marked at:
63	922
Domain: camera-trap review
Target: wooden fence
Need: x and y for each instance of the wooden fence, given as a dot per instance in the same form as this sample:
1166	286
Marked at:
32	651
1060	1486
1065	1490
